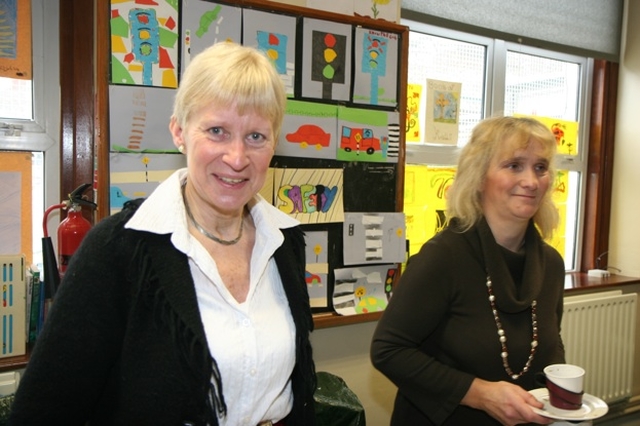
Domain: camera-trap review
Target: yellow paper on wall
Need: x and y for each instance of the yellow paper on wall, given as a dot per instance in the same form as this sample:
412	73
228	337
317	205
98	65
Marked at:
425	202
414	96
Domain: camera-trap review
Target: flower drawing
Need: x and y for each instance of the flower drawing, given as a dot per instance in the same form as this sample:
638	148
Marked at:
374	8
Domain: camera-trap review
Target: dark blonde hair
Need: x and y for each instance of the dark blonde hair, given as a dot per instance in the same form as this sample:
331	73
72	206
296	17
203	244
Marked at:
227	74
490	139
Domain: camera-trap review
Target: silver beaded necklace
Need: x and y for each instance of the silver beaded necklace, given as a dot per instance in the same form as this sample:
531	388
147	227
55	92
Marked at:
204	231
503	337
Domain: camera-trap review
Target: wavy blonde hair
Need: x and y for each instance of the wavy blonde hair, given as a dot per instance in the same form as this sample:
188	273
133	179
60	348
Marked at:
227	74
491	139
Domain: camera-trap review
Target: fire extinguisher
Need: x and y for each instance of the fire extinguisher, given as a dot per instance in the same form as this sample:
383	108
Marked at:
71	232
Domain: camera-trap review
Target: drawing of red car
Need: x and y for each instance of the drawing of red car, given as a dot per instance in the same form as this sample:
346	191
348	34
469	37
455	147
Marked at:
309	135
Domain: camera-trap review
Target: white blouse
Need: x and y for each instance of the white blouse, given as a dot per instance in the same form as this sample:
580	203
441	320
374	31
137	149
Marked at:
253	342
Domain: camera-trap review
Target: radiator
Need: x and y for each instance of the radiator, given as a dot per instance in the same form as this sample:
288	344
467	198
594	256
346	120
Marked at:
598	331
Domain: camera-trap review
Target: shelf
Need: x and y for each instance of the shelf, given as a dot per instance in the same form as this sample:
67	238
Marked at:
327	320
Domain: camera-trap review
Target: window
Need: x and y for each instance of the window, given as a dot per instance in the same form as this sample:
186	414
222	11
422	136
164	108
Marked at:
30	117
496	78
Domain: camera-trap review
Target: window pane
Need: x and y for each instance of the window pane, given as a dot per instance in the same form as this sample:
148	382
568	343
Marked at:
16	100
37	206
439	58
548	87
565	197
542	86
21	200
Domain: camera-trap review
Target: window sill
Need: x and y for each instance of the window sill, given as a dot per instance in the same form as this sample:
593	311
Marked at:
574	282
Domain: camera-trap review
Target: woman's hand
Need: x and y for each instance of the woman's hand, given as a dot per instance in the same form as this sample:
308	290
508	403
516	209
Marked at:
505	402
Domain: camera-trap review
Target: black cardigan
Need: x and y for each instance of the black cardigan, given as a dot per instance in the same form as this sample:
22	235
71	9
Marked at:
124	344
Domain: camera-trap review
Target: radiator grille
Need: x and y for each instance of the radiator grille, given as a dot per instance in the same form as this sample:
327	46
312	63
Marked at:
598	332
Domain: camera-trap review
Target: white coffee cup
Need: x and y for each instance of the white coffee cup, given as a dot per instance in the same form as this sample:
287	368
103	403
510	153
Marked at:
566	376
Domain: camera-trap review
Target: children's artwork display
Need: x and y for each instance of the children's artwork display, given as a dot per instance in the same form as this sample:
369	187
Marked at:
363	289
310	195
139	119
326	60
317	267
137	175
144	43
374	238
442	112
205	23
309	130
425	202
368	135
376	67
276	36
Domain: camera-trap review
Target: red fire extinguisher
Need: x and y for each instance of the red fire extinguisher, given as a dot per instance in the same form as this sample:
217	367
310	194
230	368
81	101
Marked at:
71	232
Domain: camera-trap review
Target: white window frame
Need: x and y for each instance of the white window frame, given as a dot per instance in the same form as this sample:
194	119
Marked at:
43	132
495	72
448	155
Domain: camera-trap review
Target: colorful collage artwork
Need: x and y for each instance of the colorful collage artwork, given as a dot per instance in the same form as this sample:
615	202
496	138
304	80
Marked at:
342	110
139	119
376	77
383	234
137	175
144	42
442	112
317	268
315	130
310	195
362	289
205	23
276	36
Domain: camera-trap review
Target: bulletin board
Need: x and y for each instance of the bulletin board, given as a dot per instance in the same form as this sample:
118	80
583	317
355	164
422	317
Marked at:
342	138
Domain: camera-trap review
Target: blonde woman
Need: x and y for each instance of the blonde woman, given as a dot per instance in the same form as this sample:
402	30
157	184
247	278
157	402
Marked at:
477	312
189	308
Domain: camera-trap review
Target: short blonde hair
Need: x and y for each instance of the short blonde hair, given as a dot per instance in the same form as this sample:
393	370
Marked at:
227	74
490	139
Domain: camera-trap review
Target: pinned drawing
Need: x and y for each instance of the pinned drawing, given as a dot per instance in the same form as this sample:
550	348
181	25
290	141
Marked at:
326	60
317	267
275	35
310	195
376	68
374	238
442	112
412	127
368	135
137	175
425	204
144	43
560	198
566	133
15	39
363	289
135	113
308	130
388	10
205	23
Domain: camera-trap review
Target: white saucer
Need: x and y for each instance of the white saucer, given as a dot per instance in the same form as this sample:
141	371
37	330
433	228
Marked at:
592	407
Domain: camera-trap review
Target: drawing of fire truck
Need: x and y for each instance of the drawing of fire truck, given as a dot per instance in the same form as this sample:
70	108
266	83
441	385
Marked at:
359	139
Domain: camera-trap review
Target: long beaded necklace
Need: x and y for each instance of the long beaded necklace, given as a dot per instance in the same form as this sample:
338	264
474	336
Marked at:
503	337
204	231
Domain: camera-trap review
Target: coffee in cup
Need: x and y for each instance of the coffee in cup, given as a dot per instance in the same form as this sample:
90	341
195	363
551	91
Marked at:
565	385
